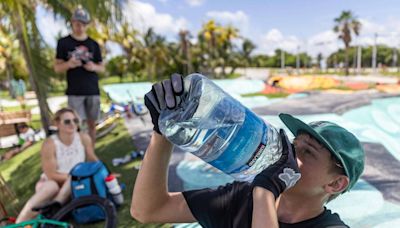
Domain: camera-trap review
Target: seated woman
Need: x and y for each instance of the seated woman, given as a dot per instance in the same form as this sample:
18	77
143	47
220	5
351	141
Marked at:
59	154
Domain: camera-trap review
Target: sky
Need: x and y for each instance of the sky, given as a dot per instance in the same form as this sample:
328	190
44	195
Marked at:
292	25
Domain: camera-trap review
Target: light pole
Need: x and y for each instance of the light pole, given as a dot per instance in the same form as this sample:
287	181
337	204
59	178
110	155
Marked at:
359	53
298	60
282	59
325	59
374	55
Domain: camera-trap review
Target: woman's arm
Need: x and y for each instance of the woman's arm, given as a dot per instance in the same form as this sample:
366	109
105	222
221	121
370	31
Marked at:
49	162
89	150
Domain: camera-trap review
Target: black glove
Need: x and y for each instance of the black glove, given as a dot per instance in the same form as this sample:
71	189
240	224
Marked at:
283	174
165	94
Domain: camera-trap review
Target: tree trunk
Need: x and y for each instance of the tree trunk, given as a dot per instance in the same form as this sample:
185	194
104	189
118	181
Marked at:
9	72
149	64
346	61
188	64
223	73
233	69
34	77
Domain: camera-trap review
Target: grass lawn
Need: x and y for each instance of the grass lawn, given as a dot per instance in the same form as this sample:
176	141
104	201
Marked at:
272	95
23	171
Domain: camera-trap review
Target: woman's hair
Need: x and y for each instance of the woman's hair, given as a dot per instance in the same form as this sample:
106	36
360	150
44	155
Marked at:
59	113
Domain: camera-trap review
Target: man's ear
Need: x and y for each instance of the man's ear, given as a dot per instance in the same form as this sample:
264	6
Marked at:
337	185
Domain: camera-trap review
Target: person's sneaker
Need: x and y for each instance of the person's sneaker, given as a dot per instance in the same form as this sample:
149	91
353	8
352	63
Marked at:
48	209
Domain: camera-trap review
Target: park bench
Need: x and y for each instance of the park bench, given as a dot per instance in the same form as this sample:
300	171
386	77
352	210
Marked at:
9	122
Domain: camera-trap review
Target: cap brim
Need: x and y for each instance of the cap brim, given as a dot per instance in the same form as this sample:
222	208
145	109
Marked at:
296	126
82	21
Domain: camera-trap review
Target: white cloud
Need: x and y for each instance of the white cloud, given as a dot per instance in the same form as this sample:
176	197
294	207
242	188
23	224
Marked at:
195	2
143	16
369	27
239	19
229	17
325	42
274	39
49	26
388	32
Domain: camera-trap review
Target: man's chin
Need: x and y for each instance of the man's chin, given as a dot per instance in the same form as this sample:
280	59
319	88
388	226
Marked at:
293	190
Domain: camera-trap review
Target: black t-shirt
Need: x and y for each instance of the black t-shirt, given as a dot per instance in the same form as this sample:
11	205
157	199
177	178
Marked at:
232	206
79	80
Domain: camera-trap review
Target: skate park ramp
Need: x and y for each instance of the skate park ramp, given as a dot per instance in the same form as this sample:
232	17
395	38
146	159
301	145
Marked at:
373	117
125	92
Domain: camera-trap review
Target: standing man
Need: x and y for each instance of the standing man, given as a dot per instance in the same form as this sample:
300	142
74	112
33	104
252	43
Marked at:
80	56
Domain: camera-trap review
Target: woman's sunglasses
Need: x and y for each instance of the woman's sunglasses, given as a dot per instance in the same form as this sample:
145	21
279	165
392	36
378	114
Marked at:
70	121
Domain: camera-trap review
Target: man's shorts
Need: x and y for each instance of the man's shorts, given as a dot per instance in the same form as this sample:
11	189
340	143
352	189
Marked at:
87	107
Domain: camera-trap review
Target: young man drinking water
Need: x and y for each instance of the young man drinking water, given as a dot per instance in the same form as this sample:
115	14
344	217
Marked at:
329	158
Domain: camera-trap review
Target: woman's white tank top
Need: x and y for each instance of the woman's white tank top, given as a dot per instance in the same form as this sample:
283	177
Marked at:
68	156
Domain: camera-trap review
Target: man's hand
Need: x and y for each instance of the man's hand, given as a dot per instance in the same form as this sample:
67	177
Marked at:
163	95
74	62
90	66
283	174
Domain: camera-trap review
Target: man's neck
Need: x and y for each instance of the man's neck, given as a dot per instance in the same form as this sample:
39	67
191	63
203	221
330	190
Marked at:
292	209
80	37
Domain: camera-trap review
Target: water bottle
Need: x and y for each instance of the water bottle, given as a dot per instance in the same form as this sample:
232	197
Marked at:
215	127
114	189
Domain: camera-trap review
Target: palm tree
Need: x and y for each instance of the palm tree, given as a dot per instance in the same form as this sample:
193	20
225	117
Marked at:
185	51
225	46
127	38
160	56
156	54
208	45
345	25
149	46
247	48
9	53
22	20
216	43
101	34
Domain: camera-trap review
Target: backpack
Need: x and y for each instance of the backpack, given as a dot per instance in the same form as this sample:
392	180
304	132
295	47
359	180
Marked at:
87	178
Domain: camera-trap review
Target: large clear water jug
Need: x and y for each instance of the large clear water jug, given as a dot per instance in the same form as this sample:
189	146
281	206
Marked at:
217	128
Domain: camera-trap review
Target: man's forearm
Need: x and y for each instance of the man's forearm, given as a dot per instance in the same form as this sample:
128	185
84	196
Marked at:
264	211
61	67
99	67
151	191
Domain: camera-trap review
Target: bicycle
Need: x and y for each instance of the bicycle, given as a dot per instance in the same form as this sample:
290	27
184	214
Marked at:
58	219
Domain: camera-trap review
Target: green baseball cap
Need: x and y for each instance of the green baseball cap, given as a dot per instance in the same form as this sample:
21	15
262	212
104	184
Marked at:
341	143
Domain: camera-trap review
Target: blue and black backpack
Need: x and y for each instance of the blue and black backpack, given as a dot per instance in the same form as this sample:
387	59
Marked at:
88	178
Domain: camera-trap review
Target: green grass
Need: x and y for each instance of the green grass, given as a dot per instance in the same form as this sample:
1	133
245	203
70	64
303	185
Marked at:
396	74
232	76
16	108
22	172
272	95
116	79
4	94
